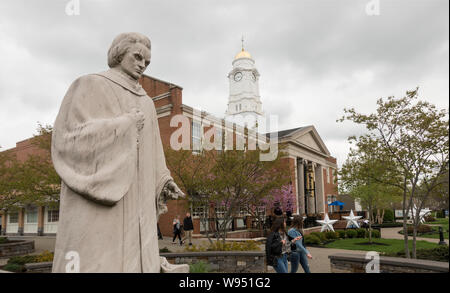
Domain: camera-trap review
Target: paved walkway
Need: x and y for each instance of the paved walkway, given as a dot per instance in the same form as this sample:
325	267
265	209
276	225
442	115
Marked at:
319	264
392	233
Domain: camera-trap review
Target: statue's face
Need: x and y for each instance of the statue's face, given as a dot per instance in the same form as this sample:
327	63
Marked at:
135	61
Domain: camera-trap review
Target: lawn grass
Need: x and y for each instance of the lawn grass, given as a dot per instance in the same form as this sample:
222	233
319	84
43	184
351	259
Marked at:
433	236
392	245
441	222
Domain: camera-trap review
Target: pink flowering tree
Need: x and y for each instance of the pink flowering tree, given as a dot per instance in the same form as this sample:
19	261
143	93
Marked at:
283	197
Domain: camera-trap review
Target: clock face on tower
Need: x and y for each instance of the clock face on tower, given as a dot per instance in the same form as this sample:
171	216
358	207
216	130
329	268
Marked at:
238	76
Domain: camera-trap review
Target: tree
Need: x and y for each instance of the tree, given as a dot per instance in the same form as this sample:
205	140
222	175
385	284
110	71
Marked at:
33	181
226	182
411	137
40	184
356	178
239	179
439	197
189	171
10	172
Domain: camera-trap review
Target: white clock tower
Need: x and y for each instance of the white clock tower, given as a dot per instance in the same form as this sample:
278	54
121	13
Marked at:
244	96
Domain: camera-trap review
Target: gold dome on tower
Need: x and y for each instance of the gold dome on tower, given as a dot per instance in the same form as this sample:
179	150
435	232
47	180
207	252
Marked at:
243	54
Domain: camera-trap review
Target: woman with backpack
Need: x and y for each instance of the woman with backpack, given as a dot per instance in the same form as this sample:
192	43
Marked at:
299	253
278	246
177	230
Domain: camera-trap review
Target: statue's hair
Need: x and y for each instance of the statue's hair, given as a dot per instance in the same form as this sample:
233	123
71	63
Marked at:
122	43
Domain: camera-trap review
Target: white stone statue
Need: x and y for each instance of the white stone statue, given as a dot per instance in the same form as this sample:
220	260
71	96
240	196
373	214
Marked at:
107	149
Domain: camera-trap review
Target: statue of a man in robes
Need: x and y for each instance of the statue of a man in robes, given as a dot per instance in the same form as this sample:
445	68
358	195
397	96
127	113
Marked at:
107	149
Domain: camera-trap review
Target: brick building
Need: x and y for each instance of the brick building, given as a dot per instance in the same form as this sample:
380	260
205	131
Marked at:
312	167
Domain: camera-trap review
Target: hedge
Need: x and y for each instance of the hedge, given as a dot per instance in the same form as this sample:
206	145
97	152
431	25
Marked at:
312	239
351	234
439	253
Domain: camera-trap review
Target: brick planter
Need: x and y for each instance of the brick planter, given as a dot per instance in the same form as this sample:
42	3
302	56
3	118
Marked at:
16	248
39	267
223	261
351	263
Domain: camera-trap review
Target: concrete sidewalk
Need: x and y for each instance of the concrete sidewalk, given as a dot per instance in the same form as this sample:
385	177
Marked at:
392	233
319	264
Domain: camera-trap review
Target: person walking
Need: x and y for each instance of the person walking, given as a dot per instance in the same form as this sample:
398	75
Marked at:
299	253
160	236
278	246
188	228
176	230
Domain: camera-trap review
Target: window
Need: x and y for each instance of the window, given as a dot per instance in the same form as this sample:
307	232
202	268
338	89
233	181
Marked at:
330	200
14	218
199	212
32	215
220	212
196	137
242	212
328	174
52	216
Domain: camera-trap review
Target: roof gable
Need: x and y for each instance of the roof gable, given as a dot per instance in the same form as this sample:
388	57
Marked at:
309	138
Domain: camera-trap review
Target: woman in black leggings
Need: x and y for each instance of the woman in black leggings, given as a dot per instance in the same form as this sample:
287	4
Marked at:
176	230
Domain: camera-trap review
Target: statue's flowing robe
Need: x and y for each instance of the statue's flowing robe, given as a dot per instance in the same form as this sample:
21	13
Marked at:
111	184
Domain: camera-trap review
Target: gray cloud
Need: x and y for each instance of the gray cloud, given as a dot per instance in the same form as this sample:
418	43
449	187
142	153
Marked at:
315	56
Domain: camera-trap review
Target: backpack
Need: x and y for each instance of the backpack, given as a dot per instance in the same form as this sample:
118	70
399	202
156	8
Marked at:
270	257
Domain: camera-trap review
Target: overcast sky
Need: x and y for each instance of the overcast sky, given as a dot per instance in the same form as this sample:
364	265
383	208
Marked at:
315	57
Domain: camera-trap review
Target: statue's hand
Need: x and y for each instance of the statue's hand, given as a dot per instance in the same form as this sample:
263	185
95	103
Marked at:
172	191
138	117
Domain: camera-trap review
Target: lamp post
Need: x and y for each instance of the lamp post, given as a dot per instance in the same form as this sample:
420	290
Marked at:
441	236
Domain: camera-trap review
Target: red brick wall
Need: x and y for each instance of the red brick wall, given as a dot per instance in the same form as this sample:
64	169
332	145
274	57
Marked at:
155	87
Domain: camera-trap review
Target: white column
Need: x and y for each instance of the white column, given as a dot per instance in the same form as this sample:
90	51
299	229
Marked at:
301	186
296	186
320	196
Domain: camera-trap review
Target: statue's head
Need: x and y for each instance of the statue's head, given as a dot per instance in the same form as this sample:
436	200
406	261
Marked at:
130	53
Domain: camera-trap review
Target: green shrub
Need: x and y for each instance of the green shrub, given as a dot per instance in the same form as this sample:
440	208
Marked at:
199	267
13	267
330	235
195	248
351	234
440	214
430	219
45	256
341	233
360	233
227	246
21	260
164	250
439	253
421	229
3	240
375	234
321	235
388	216
312	239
